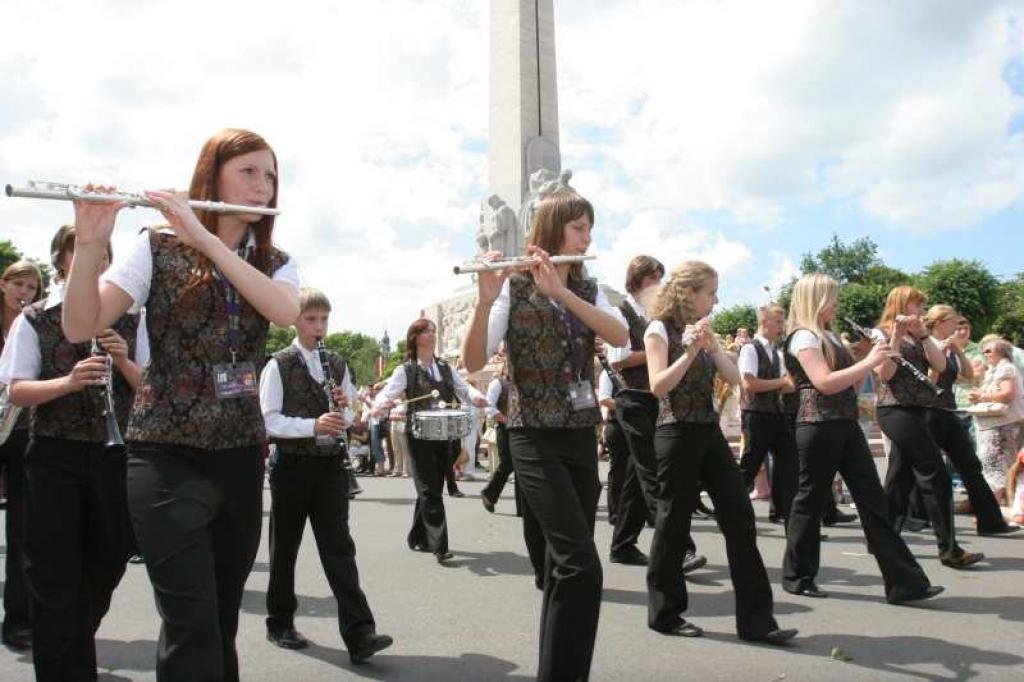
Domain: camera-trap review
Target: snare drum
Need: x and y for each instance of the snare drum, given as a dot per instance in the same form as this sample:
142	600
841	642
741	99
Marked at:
441	424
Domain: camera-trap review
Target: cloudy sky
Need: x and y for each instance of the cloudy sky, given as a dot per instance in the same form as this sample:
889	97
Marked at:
743	133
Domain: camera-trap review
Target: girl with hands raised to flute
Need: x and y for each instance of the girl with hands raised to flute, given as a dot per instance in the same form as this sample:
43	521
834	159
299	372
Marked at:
683	357
903	403
76	521
211	284
829	439
548	317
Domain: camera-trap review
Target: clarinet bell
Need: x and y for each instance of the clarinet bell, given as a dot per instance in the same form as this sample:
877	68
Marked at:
115	444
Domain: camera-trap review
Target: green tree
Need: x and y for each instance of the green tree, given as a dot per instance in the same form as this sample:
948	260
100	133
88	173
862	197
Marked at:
1010	322
728	320
844	262
278	338
8	254
361	351
862	303
968	286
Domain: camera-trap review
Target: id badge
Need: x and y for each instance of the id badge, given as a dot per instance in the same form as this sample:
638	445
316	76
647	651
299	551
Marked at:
234	380
582	395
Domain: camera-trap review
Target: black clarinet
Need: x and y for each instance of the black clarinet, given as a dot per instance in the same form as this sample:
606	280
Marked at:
899	360
115	444
341	443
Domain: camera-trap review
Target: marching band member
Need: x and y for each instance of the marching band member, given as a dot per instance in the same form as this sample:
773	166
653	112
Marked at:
548	319
765	427
637	410
211	286
829	439
308	480
902	404
683	357
497	409
947	429
420	374
76	521
21	284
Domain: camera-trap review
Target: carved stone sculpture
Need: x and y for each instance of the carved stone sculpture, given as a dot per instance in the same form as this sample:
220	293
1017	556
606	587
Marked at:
542	183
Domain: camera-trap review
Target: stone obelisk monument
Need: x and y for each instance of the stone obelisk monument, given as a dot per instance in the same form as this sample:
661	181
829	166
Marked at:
524	96
524	162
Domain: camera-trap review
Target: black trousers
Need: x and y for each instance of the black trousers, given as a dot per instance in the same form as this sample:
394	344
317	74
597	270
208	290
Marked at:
691	455
533	536
635	412
12	461
430	459
557	470
618	463
825	448
949	433
499	476
316	488
764	432
197	516
916	458
75	550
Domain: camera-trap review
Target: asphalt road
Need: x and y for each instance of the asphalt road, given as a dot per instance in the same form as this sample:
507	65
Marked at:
476	619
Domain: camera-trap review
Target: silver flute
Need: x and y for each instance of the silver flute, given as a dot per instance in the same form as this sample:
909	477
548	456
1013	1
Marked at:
516	262
899	360
36	189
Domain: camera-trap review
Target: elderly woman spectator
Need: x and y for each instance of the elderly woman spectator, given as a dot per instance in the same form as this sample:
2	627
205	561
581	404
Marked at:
998	409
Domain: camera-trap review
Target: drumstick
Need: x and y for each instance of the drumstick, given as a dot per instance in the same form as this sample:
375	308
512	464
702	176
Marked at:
433	394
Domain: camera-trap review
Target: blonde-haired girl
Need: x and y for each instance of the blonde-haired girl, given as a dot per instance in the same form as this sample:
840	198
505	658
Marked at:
683	357
829	439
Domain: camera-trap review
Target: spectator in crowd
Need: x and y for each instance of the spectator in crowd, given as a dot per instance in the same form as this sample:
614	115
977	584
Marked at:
998	409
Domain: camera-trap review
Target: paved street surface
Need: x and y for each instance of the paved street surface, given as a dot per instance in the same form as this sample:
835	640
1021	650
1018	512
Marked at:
477	618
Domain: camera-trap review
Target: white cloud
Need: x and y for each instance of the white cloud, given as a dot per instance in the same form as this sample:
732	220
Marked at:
377	111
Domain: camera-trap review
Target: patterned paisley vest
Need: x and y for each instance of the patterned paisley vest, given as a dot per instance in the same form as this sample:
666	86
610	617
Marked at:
303	395
945	381
636	377
767	368
692	399
902	388
77	416
176	402
814	405
539	354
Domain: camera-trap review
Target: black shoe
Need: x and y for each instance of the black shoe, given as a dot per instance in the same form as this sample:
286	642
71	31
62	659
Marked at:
776	637
915	525
368	646
1005	529
961	559
19	639
136	559
488	505
679	628
418	547
538	582
693	562
926	593
807	589
443	556
838	517
777	519
456	493
630	557
287	638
